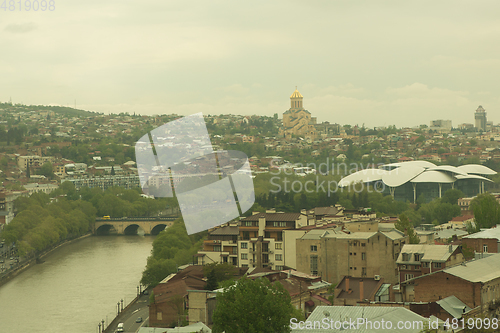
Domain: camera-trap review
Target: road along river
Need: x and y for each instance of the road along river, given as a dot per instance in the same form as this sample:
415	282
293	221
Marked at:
77	286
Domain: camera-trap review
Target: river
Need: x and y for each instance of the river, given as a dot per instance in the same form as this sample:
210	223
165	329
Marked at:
76	287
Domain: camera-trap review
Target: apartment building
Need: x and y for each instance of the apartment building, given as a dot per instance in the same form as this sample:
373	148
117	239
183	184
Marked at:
419	259
261	240
333	254
105	182
33	161
7	208
221	246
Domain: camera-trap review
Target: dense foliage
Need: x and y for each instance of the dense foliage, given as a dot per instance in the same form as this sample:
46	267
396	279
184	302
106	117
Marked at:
40	223
486	211
43	221
253	306
171	248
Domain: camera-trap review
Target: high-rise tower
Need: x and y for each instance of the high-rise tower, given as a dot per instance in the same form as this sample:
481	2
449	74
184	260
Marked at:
480	117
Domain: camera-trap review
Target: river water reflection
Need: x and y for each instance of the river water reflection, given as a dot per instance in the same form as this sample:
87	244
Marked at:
76	287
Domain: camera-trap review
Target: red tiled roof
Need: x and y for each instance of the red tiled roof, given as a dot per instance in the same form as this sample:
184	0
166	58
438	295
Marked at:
462	218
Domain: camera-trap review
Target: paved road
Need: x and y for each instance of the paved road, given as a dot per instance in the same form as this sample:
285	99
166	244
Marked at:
129	316
7	252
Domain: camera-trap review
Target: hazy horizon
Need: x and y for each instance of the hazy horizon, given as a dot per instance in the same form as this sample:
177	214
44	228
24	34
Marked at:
378	64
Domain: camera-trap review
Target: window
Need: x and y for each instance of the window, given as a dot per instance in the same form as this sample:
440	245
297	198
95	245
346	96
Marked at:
363	244
354	243
278	246
425	265
314	248
279	236
244	265
314	265
217	248
276	224
244	256
267	234
363	271
363	256
279	268
244	245
437	265
406	257
417	257
246	235
282	224
409	276
485	247
278	257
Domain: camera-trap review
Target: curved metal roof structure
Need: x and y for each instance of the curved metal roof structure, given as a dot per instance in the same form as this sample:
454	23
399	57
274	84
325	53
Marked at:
473	177
417	172
477	169
434	176
423	164
448	168
400	176
363	176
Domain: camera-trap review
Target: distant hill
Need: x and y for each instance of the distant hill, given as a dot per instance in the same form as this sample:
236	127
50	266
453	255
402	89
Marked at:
62	110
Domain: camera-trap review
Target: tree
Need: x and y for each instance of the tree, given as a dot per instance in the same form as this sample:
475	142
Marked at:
156	270
253	306
405	226
47	170
211	281
486	211
222	271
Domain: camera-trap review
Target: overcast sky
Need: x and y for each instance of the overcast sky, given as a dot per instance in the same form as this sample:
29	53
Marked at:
355	62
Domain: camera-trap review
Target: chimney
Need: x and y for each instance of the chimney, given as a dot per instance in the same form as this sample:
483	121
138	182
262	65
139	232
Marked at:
346	283
361	290
451	248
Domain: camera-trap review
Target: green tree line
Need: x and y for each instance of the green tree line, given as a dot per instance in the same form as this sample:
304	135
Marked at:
171	248
43	220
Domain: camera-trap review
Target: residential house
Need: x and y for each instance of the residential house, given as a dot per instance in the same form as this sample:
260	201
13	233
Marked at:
419	259
485	241
475	282
333	254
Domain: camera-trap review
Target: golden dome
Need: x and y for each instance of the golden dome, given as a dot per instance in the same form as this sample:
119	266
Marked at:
296	94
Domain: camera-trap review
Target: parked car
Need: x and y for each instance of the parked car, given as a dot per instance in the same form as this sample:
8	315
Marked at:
138	320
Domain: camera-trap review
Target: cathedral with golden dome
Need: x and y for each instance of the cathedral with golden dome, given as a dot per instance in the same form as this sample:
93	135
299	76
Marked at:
297	121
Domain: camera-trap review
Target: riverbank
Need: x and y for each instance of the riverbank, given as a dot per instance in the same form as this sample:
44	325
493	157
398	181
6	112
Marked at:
24	265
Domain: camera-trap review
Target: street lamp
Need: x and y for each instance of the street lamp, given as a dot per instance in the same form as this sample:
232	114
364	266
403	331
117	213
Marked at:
102	321
137	290
99	327
118	304
122	304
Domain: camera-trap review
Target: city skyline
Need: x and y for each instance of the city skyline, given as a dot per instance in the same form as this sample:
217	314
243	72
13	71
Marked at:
402	64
